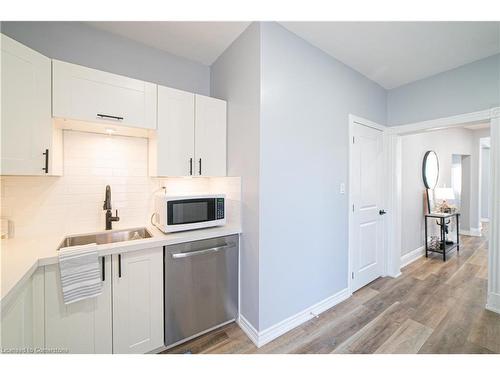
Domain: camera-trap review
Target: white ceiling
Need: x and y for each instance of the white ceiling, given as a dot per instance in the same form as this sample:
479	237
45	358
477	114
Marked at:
395	53
203	42
389	53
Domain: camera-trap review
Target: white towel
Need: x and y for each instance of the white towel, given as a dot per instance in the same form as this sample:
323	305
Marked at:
79	269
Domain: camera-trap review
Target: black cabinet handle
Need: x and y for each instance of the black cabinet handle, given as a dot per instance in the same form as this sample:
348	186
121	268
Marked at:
46	168
103	268
118	118
382	212
190	166
199	162
119	265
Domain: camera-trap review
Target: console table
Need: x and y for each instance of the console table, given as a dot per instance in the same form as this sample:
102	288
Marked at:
443	246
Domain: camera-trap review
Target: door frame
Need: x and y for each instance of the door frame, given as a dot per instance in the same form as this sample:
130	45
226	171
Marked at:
387	262
395	133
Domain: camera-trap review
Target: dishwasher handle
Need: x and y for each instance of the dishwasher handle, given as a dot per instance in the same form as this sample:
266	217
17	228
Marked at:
201	252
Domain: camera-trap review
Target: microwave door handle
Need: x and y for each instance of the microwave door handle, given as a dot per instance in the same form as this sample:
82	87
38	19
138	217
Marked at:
201	252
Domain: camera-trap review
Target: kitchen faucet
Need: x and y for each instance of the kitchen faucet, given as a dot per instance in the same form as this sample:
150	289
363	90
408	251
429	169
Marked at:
107	207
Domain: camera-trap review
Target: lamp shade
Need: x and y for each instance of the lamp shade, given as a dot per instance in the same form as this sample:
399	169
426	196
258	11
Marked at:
444	193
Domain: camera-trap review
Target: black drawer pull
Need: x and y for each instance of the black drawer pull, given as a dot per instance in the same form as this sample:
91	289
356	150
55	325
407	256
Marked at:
46	168
119	265
103	268
118	118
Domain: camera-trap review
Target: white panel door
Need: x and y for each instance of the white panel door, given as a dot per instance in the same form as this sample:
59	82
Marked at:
138	301
81	93
367	235
210	136
26	102
175	133
81	327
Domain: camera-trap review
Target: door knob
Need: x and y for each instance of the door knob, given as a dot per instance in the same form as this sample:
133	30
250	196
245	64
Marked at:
382	212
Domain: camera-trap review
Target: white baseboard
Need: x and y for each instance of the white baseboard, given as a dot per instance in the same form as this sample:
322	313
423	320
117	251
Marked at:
260	338
493	303
475	232
412	256
249	330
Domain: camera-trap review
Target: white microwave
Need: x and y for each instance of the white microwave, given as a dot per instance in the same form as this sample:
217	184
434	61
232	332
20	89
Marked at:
178	213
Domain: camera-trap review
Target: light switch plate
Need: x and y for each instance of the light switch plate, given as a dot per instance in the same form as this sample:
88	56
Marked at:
342	188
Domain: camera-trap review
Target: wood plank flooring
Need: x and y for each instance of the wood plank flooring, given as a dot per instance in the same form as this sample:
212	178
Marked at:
433	307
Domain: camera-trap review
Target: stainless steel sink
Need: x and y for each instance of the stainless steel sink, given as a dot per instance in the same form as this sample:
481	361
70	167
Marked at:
106	237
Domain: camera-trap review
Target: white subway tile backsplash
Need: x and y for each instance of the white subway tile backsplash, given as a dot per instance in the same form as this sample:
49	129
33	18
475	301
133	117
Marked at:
73	203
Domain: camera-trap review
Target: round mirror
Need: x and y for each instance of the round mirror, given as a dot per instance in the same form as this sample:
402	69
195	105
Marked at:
430	169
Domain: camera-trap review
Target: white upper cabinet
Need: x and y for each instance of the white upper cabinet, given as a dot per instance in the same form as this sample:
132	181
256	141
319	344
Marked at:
138	301
191	136
210	136
30	144
175	133
90	95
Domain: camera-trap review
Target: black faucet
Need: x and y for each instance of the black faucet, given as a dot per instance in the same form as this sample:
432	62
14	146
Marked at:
107	207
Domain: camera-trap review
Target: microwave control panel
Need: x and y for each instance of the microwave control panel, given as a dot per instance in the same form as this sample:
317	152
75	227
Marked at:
220	208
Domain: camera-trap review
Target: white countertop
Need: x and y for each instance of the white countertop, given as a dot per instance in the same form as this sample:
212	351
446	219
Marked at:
20	257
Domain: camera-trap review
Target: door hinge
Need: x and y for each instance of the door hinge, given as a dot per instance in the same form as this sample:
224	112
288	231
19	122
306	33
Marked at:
352	275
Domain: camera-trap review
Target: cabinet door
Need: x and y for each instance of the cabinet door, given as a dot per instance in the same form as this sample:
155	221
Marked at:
210	136
26	101
22	321
138	301
175	132
81	93
81	327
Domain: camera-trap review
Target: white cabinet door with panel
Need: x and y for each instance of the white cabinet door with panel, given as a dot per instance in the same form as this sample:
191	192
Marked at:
91	95
210	136
28	138
175	133
80	327
138	301
22	323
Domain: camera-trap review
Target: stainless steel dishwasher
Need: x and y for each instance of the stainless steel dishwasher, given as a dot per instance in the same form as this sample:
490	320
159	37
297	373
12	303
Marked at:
201	287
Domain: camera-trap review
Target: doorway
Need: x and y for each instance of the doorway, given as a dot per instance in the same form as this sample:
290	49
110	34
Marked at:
490	117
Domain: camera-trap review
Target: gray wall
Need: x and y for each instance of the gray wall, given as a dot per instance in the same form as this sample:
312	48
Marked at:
485	183
469	88
306	98
236	78
81	44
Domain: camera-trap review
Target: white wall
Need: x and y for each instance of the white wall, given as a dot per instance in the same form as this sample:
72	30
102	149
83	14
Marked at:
73	203
445	143
236	78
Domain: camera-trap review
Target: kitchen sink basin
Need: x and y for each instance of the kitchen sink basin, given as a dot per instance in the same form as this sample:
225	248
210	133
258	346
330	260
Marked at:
102	238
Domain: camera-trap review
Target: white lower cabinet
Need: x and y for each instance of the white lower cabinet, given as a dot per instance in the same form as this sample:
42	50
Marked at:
22	323
80	327
138	301
126	318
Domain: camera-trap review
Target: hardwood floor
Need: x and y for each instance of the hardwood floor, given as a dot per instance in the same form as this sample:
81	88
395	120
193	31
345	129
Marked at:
433	307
